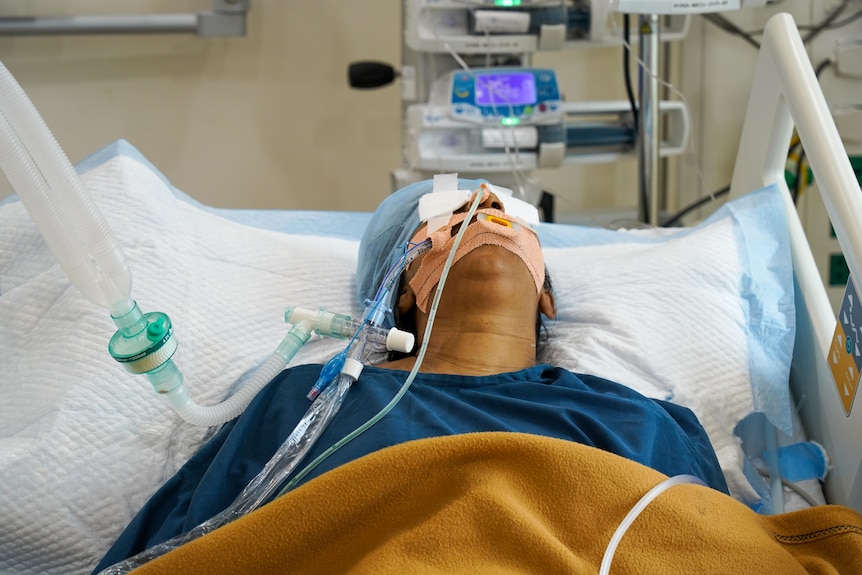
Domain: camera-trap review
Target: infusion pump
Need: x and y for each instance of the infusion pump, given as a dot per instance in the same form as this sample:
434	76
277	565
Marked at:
493	119
499	96
683	6
517	26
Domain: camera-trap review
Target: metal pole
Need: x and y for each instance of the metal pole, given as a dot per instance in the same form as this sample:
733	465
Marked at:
648	126
227	18
99	24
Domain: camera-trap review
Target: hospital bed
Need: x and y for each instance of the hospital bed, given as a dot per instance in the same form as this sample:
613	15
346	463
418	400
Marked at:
736	301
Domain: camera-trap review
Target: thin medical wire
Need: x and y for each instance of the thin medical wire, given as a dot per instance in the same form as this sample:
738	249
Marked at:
841	23
698	203
509	130
412	375
517	173
798	183
701	177
792	486
520	175
627	80
828	23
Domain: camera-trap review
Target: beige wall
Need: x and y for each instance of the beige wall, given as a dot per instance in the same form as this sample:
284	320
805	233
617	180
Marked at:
268	121
716	71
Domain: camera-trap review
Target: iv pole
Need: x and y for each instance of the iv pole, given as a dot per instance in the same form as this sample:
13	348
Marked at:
649	76
648	126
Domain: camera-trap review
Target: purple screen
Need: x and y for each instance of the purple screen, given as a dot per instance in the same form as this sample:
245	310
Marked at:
516	89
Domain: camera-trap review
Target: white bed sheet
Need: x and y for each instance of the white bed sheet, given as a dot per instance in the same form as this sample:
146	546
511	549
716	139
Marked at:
703	317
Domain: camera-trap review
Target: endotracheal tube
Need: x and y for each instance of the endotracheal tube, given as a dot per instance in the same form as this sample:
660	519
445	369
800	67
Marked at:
382	292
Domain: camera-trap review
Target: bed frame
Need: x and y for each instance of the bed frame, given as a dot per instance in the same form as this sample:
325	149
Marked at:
785	92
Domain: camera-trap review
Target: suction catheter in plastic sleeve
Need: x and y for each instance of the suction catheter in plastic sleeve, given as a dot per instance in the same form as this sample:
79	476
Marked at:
366	341
263	486
85	247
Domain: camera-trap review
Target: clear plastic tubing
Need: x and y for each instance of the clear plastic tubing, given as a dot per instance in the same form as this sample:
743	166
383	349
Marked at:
263	487
168	381
776	485
643	503
59	204
342	327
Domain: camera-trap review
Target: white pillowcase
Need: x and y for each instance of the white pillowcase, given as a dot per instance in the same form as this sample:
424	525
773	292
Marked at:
702	316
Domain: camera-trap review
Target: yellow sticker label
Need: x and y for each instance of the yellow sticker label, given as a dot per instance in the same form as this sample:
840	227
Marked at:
844	370
845	352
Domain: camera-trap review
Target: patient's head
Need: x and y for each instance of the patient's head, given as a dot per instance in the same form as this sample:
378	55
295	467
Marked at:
499	268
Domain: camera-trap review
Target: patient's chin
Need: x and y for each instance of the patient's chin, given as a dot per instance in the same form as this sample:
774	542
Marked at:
490	263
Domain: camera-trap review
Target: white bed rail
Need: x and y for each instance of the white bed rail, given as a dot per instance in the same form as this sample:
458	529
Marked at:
786	92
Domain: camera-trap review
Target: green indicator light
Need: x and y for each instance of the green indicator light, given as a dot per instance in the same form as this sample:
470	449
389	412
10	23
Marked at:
507	2
510	121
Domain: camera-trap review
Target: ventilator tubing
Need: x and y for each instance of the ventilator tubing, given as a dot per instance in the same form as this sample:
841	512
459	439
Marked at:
62	209
303	437
236	404
86	249
156	363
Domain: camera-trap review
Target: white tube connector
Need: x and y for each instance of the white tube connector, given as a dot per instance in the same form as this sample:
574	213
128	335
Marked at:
341	326
352	368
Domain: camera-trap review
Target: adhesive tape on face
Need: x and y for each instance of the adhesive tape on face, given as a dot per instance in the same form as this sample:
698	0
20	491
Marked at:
442	203
515	207
435	205
521	210
492	227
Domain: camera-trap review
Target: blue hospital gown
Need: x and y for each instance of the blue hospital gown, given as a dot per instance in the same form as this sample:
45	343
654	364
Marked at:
542	400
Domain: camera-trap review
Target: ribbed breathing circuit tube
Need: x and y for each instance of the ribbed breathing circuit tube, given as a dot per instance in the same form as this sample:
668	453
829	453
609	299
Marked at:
85	247
65	214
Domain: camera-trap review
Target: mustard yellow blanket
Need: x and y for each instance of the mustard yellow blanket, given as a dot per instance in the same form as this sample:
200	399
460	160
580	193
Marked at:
513	503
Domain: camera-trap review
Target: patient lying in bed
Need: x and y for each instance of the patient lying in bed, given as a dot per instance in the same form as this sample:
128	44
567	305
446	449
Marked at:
479	375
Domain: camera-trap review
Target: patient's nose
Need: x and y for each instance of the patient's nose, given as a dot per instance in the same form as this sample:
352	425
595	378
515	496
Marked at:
492	201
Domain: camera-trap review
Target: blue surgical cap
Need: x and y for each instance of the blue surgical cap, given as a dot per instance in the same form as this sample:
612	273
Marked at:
391	226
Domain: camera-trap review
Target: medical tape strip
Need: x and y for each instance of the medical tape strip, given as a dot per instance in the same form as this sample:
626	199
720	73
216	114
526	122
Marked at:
445	183
519	240
437	207
804	460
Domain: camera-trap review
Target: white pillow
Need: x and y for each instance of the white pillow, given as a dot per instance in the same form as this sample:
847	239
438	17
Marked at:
702	317
83	444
